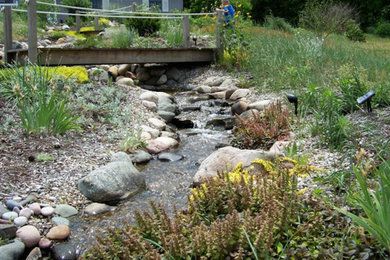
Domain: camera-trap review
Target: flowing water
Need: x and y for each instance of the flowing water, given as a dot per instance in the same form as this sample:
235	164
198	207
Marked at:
168	183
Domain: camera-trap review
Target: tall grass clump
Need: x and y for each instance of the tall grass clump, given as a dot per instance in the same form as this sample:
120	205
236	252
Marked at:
40	98
172	32
375	205
119	37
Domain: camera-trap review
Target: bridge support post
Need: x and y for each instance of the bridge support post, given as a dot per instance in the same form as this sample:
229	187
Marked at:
96	22
219	32
78	23
32	31
7	33
186	31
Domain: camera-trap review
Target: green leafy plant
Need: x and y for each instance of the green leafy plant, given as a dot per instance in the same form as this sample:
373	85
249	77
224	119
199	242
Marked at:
144	27
375	204
133	141
119	37
383	29
261	131
44	157
172	32
353	31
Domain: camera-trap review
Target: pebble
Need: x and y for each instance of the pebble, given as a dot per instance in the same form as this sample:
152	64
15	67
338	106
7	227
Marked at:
35	254
171	157
9	215
20	221
11	204
65	210
45	243
64	252
2	209
4	221
7	231
16	209
58	232
17	198
60	221
28	199
26	212
98	208
12	251
29	235
36	208
47	211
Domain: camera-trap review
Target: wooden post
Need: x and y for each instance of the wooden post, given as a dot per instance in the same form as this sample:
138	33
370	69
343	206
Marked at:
7	33
96	20
218	30
78	23
186	31
134	7
32	31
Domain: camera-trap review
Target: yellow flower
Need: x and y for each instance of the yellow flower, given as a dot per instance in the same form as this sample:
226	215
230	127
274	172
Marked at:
206	16
302	191
236	16
214	17
239	5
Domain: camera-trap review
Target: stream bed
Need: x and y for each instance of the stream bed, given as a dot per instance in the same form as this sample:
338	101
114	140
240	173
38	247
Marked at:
168	183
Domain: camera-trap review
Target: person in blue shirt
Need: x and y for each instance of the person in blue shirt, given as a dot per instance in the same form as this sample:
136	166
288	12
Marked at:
229	13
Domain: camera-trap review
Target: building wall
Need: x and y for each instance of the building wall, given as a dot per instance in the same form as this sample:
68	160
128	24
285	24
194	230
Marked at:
164	5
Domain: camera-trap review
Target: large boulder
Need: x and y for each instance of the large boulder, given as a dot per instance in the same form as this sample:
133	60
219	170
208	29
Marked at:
113	182
12	251
227	158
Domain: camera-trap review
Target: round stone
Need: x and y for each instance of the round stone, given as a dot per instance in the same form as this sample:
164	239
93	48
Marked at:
11	204
45	243
60	221
98	208
26	212
64	251
65	210
58	232
20	221
9	215
29	235
47	211
36	208
12	251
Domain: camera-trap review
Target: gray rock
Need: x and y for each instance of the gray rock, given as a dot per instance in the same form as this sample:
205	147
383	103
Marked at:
66	211
152	131
98	208
28	199
60	221
157	72
260	105
221	122
29	235
45	243
35	254
161	144
36	208
162	80
170	157
143	74
240	93
167	116
112	182
188	86
214	81
120	157
149	96
65	27
11	204
12	251
168	107
3	210
150	105
64	252
7	231
174	73
203	89
227	158
10	215
98	75
20	221
157	123
141	157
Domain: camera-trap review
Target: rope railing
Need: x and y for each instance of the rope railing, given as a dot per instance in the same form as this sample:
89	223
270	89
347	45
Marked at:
122	12
100	15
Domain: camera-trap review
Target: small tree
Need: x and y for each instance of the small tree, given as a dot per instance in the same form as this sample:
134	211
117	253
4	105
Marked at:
324	17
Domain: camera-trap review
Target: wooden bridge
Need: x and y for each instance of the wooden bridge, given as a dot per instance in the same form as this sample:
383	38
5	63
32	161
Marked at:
57	56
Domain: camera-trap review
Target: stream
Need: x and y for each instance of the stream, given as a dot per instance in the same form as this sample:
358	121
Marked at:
168	183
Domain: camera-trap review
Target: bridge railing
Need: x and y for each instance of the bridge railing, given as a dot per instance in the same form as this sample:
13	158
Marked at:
96	13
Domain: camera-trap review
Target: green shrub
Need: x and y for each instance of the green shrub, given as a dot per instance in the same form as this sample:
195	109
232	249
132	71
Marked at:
262	131
277	23
145	27
119	37
133	141
383	29
172	32
353	31
41	99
